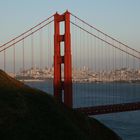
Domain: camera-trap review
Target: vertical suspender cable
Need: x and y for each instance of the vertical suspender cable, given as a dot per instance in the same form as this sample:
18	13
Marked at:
4	60
121	76
76	57
88	64
126	75
109	63
91	62
134	78
102	68
95	70
98	68
48	46
106	69
23	60
14	59
113	72
116	75
32	50
41	50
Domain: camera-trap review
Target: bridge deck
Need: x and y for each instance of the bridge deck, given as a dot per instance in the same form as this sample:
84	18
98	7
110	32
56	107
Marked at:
105	109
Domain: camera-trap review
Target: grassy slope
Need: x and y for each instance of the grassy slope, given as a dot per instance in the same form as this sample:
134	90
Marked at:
27	113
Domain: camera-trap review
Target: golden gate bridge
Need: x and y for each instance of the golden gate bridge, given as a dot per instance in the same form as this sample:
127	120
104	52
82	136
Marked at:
88	65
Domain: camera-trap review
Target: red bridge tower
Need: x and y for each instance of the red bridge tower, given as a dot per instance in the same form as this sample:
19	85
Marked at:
59	84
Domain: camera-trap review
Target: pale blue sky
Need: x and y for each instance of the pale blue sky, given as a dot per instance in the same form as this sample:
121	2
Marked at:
119	18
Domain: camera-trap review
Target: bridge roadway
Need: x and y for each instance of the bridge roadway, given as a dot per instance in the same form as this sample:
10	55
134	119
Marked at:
105	109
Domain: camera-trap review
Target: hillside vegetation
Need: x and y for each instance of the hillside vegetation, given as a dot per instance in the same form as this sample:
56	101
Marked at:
27	114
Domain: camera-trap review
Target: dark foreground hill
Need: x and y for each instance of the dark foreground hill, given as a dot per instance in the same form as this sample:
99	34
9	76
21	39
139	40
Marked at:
27	114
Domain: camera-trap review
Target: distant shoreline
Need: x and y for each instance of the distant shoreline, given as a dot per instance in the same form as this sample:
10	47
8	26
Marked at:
80	81
31	80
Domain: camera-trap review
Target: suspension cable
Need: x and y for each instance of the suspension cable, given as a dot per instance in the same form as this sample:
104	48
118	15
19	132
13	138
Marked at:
104	33
27	31
26	36
104	40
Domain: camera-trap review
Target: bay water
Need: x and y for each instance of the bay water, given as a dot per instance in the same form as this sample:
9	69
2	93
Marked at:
125	124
